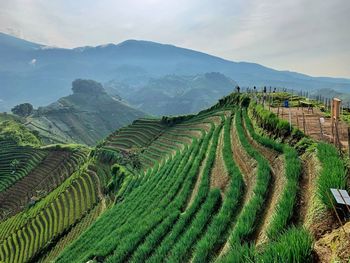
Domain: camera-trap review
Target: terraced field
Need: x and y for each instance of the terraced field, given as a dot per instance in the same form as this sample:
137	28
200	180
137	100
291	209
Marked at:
200	205
16	162
42	179
213	187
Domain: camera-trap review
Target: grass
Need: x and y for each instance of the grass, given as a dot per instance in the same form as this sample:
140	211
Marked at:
333	172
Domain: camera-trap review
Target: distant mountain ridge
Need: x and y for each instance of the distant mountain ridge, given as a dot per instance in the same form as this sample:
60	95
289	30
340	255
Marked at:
39	74
175	94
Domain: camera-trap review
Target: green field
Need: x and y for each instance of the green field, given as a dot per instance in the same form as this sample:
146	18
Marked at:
225	185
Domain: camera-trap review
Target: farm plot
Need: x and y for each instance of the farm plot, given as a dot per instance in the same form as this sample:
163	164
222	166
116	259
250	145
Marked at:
41	180
16	162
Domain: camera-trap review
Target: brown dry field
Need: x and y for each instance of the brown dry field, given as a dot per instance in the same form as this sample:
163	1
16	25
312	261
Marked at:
312	124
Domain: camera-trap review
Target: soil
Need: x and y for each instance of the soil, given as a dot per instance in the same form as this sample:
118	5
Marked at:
199	177
219	177
278	182
312	124
335	246
307	188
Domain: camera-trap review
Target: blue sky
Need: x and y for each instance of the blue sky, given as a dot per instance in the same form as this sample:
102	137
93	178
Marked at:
308	36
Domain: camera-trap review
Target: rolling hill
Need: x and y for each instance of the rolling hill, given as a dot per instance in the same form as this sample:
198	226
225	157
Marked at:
41	75
86	116
210	187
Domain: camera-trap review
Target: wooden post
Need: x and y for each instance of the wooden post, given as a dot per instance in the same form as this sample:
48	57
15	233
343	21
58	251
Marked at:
278	111
304	124
336	213
321	130
337	135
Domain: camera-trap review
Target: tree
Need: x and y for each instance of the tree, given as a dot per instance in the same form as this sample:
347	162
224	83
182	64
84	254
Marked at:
24	109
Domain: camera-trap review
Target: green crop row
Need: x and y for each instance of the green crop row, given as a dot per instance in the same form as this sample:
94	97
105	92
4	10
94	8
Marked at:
218	229
333	173
247	220
294	246
181	194
137	203
143	206
181	250
180	227
286	204
36	233
16	162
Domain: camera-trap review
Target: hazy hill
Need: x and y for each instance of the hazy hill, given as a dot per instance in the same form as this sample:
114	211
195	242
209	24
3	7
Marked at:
40	74
330	93
174	94
86	116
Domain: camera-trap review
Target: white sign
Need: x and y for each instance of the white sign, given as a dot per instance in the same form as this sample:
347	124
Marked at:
322	120
341	196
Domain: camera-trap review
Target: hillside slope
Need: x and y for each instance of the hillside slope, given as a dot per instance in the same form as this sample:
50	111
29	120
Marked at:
86	116
210	187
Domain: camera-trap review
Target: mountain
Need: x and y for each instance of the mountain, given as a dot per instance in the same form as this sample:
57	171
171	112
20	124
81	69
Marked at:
175	94
40	74
86	116
331	93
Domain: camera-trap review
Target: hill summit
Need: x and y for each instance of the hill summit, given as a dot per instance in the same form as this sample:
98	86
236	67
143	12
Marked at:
87	86
86	116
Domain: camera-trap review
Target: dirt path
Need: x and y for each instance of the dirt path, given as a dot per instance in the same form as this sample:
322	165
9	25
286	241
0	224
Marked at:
278	182
247	166
307	188
219	177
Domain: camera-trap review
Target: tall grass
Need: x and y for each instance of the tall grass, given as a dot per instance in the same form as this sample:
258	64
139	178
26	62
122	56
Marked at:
333	173
292	246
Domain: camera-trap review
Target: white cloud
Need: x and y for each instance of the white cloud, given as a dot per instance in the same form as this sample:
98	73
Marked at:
32	62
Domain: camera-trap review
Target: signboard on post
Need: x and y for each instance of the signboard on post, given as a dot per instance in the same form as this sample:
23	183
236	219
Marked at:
336	103
341	196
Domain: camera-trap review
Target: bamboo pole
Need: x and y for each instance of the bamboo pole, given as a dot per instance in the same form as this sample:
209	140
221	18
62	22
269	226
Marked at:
336	213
